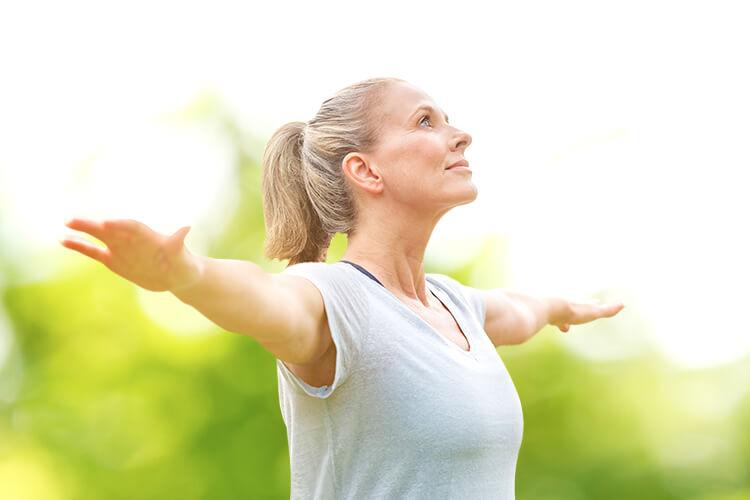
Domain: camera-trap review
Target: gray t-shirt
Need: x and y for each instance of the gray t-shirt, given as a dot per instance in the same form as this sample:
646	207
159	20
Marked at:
410	414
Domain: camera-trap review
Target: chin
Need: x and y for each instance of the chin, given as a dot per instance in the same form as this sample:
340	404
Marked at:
468	197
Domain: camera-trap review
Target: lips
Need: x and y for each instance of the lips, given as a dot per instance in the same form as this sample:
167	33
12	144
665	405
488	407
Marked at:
461	163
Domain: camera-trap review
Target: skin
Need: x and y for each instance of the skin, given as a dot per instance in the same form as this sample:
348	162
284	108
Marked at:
403	189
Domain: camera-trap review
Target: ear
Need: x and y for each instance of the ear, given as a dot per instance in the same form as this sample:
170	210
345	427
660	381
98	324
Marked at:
362	171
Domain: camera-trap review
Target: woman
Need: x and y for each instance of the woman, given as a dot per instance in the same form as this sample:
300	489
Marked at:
390	384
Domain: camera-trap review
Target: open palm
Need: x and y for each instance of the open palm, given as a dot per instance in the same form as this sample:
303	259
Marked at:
151	260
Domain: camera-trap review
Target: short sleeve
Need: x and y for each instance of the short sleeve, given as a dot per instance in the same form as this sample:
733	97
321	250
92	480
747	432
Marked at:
473	296
348	318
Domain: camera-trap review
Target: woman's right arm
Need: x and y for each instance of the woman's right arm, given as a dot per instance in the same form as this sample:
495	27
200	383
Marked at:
284	314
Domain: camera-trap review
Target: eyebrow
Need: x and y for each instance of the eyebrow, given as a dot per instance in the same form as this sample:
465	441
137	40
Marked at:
429	108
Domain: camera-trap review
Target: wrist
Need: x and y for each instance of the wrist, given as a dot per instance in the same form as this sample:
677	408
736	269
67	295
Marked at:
187	272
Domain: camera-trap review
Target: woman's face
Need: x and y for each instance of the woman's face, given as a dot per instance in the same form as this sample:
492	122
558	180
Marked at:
416	146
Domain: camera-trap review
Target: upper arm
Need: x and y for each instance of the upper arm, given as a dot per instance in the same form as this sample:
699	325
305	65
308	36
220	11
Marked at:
503	320
299	333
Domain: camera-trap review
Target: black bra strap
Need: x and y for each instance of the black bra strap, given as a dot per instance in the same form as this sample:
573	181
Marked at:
364	271
374	278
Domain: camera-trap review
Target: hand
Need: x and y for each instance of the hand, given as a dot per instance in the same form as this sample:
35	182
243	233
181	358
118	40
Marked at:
565	313
134	251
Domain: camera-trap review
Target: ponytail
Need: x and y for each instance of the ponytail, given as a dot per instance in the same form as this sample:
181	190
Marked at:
293	228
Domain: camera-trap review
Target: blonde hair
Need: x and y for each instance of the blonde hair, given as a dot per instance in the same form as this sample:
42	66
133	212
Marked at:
306	199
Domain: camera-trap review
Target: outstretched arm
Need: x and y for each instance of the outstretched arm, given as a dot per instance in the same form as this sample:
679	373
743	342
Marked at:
514	317
239	296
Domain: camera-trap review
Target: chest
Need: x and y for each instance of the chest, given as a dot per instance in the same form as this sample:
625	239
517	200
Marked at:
439	318
430	392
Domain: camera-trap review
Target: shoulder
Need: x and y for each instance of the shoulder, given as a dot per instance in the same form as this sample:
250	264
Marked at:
337	313
304	338
474	298
446	282
331	290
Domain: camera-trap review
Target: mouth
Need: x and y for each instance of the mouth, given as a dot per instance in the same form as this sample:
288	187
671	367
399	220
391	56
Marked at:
459	164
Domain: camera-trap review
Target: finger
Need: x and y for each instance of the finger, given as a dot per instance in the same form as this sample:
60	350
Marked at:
584	312
96	253
594	312
611	309
127	225
95	228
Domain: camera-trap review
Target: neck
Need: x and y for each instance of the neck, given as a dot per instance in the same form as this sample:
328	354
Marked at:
394	254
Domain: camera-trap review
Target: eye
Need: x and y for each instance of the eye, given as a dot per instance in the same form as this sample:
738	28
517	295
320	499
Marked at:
423	117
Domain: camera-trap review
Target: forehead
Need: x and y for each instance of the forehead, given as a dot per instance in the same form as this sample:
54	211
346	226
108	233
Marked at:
402	100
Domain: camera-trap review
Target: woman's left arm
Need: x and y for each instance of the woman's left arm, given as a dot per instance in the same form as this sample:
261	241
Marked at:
514	317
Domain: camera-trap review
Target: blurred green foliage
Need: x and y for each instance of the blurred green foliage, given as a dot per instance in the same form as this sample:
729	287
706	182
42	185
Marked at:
99	401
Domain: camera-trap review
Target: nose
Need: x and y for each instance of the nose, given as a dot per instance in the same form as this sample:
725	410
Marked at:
460	138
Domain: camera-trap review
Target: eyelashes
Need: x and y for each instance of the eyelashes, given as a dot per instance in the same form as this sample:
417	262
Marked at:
426	116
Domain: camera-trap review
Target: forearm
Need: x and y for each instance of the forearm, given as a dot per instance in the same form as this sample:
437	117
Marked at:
234	294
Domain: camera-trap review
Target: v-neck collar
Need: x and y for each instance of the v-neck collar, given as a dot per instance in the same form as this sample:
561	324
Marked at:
471	353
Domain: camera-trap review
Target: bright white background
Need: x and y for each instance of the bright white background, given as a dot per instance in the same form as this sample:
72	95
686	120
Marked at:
610	140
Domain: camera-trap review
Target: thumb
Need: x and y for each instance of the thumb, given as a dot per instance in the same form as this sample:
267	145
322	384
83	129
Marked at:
177	240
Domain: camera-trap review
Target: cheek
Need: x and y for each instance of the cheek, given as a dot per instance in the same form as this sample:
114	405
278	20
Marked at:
415	164
422	155
420	170
429	148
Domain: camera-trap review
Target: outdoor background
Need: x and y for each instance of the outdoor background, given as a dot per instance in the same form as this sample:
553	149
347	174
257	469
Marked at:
610	153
